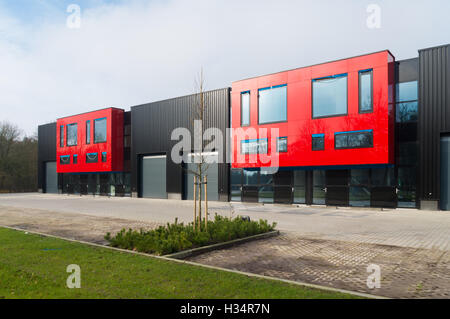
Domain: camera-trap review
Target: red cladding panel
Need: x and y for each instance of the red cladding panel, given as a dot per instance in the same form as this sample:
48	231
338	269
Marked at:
113	145
300	125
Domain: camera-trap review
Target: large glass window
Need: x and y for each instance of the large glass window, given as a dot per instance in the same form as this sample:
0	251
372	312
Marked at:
383	176
407	112
265	194
254	146
100	130
356	139
250	177
365	91
299	187
319	192
245	108
318	142
72	130
272	104
330	96
61	136
88	132
359	196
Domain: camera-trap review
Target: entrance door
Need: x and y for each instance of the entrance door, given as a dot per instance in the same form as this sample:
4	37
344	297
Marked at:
445	173
337	187
153	177
51	178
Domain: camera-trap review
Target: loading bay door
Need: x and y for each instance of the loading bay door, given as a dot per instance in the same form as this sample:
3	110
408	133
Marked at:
51	178
154	177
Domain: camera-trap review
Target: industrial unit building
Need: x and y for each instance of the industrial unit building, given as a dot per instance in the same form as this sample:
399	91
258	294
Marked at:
367	131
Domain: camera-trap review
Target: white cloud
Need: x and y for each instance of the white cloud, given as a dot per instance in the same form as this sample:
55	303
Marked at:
130	54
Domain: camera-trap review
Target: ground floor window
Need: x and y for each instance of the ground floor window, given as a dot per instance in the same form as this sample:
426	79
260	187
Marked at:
104	184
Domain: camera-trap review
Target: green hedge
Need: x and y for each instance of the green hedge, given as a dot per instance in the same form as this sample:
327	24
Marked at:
177	236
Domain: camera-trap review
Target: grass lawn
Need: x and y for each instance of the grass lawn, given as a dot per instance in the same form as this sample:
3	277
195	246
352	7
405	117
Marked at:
34	266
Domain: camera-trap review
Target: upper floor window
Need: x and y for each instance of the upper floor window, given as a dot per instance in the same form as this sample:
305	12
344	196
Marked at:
100	130
329	96
64	159
75	159
318	142
245	108
366	91
407	91
254	146
72	131
272	104
61	136
282	145
88	132
355	139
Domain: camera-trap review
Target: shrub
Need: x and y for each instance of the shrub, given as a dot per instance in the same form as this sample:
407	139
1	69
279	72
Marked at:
177	236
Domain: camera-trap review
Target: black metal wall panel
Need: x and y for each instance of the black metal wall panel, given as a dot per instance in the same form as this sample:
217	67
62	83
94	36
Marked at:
153	123
434	116
46	149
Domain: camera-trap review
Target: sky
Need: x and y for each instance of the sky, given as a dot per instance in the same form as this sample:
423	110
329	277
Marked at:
127	53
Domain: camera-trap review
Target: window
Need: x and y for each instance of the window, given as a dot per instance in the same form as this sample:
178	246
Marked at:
64	159
91	158
250	177
100	130
61	136
104	157
75	159
245	108
356	139
365	91
407	91
88	132
329	96
272	104
254	146
72	130
282	145
318	142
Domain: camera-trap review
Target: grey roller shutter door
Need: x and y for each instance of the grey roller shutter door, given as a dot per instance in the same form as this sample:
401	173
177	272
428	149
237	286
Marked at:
51	178
154	177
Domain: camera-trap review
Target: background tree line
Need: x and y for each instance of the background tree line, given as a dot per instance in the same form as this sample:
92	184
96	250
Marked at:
18	158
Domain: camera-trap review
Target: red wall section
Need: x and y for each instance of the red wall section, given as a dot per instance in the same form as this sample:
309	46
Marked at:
113	145
300	125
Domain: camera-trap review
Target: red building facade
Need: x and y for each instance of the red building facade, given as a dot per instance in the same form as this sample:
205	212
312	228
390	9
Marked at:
300	124
90	142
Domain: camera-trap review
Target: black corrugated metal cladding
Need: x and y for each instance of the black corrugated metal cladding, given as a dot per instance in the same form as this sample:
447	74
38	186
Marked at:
153	123
434	116
46	149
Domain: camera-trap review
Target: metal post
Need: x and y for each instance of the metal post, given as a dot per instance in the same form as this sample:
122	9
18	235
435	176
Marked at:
195	201
206	203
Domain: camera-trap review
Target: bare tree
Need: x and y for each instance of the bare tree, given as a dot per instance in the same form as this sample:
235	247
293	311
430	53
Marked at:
200	173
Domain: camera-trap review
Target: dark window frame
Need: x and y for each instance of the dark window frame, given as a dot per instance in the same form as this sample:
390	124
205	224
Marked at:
88	161
360	73
104	157
322	136
270	88
106	137
67	134
64	156
353	133
278	147
249	108
88	132
61	136
312	96
75	159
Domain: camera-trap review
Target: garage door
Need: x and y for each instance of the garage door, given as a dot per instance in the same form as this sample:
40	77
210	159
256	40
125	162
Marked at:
213	181
51	178
154	177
